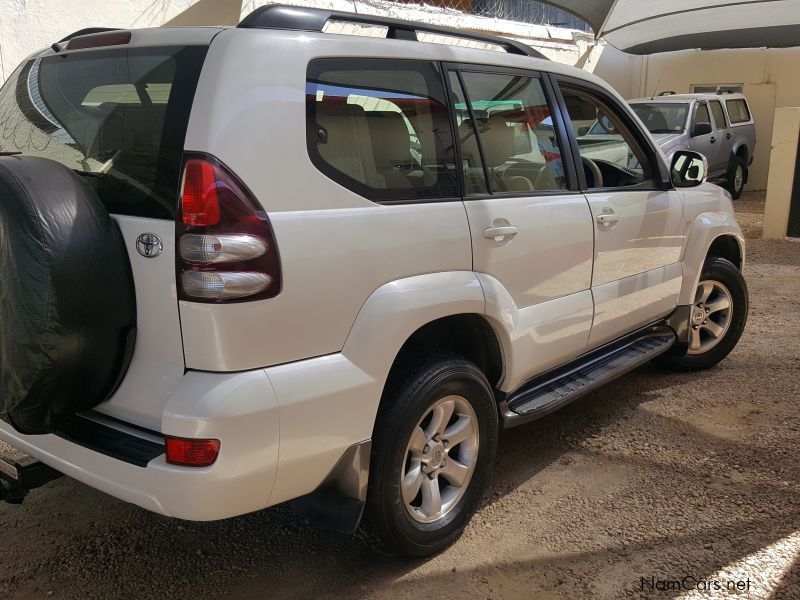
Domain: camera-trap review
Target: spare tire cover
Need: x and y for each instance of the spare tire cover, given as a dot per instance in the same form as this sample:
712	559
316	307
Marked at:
67	300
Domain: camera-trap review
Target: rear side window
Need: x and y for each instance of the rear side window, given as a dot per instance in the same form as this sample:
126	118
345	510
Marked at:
738	110
718	113
511	118
116	116
381	128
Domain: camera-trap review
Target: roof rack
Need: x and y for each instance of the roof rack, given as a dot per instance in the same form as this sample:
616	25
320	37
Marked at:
294	18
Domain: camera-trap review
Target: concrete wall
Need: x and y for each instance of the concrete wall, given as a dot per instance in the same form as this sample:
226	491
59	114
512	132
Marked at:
769	77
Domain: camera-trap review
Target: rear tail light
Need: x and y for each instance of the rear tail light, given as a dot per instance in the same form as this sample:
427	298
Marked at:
226	251
191	452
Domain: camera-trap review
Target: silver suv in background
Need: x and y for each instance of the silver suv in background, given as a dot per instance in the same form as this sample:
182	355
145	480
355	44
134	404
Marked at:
718	126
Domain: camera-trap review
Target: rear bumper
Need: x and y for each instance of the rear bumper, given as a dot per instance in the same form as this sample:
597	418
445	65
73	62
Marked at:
238	409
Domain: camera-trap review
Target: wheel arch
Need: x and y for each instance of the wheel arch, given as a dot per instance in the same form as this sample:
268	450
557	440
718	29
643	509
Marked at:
740	151
468	335
712	234
726	246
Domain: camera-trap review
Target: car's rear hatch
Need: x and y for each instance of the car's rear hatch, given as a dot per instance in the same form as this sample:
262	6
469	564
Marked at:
116	111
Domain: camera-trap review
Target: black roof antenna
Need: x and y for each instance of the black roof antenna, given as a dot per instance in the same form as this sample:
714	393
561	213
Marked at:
655	91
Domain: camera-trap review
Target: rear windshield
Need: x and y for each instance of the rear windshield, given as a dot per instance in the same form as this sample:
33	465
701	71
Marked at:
666	117
116	116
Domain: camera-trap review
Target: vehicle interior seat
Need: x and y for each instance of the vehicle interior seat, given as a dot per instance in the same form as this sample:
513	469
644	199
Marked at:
497	140
391	145
345	142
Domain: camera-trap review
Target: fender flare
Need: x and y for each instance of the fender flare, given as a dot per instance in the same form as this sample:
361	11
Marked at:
706	228
397	309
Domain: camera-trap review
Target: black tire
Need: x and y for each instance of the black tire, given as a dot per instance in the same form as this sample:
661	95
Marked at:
67	302
408	398
722	271
738	163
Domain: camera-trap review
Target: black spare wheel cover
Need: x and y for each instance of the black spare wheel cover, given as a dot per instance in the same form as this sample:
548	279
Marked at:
67	300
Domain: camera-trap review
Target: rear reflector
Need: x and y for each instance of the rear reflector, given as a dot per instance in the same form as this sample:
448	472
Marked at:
192	453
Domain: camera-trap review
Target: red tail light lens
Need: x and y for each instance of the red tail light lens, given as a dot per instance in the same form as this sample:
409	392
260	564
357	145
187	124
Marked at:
199	199
192	453
225	248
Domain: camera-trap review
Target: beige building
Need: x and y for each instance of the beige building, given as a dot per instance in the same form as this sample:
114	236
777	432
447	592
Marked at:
768	77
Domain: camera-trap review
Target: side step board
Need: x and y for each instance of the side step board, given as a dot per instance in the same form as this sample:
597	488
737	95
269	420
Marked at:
550	391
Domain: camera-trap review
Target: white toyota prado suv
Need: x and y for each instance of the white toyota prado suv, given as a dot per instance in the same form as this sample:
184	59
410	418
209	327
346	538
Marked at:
325	257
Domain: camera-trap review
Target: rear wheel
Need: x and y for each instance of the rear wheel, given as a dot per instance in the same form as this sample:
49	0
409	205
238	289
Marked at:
434	445
737	176
718	316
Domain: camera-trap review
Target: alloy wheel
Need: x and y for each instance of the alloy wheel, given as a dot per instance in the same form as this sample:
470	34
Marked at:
440	459
711	316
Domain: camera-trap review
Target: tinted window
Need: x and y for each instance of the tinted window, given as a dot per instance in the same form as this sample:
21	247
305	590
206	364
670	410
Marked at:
116	116
738	111
515	128
719	114
701	114
381	128
609	152
660	118
471	161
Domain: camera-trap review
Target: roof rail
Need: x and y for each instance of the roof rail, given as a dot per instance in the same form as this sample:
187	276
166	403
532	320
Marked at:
295	18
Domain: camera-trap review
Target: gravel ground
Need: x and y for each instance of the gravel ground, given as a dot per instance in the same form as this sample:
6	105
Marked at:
652	479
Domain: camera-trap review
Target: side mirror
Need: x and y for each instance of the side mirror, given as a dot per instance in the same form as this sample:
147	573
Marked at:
689	169
701	129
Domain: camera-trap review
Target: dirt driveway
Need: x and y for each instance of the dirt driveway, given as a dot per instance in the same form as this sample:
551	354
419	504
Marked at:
653	479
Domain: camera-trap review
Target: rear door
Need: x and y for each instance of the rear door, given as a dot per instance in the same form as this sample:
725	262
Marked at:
531	227
117	116
638	222
705	144
722	131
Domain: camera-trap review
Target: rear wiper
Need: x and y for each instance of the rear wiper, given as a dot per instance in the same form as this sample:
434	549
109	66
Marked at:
9	152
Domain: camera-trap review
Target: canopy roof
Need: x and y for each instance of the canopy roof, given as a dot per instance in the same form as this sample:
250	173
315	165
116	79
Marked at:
649	26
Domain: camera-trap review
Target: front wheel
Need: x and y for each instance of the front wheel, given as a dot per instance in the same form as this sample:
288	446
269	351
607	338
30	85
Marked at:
433	449
718	316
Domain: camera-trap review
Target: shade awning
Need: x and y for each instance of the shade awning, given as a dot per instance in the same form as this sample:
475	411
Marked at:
650	26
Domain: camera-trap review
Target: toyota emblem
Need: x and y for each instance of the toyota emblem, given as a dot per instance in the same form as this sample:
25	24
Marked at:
149	245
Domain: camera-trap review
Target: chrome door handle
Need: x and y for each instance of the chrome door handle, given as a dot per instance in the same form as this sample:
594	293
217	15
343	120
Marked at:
500	232
607	219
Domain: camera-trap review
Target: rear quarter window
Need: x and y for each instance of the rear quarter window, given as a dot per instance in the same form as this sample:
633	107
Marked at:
381	128
738	111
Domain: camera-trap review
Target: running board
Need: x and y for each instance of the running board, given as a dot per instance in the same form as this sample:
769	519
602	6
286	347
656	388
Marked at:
550	391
